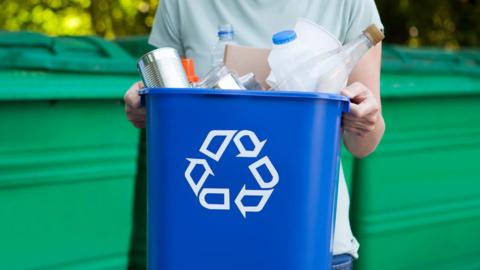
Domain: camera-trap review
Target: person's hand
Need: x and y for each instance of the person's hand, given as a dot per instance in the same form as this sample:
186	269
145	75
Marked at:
364	110
135	112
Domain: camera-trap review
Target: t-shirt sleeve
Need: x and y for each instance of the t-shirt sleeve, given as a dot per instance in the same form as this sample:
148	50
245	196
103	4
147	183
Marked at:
362	14
165	30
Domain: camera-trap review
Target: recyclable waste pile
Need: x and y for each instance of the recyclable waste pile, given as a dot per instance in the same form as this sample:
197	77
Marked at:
306	58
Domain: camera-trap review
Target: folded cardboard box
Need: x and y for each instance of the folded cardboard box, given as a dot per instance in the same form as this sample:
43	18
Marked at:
243	60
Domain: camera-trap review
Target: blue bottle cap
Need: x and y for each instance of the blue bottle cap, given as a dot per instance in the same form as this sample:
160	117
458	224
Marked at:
225	30
284	37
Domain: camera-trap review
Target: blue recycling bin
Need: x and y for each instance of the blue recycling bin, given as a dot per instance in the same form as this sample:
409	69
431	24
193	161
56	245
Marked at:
241	179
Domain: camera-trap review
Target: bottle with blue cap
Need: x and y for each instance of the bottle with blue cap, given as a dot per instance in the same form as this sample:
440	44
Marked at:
286	54
226	35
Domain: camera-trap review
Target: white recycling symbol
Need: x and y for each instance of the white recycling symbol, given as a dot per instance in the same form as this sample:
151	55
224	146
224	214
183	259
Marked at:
266	186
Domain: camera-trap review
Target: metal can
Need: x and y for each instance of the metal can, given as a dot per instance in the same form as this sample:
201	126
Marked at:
162	68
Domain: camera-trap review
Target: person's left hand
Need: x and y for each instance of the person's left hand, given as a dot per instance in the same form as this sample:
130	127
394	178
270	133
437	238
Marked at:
364	110
133	107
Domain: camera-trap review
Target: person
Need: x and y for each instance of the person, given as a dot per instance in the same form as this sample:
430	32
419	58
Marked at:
191	26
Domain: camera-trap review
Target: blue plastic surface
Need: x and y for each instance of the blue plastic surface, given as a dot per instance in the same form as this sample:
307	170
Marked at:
284	37
293	231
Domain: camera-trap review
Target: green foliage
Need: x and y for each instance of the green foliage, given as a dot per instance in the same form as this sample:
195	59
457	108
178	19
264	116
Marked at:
445	23
107	18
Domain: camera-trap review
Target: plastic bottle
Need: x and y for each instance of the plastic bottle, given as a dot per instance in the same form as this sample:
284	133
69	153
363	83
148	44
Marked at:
226	35
329	72
286	54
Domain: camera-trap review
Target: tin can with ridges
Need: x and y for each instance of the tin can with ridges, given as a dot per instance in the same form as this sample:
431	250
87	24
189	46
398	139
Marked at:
162	68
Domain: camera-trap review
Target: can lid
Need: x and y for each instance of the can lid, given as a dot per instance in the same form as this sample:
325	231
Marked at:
190	70
284	37
374	34
159	54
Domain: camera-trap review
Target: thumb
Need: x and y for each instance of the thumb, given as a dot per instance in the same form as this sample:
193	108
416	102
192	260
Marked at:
356	92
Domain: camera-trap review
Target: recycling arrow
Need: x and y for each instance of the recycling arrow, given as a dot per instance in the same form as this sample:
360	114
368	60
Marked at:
225	192
258	145
265	194
188	174
265	161
228	134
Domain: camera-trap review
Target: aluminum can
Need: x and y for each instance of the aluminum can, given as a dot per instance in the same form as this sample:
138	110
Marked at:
162	68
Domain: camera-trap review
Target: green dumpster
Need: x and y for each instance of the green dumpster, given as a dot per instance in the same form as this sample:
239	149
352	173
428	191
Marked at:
416	200
136	46
67	153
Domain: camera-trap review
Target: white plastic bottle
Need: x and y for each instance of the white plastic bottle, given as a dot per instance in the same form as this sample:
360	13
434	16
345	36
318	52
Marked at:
286	54
226	35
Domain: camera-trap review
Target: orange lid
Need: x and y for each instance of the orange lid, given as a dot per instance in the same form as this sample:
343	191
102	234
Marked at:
189	70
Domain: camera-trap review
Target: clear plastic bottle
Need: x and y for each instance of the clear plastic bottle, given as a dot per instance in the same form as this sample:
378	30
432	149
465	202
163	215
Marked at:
340	64
286	54
226	35
329	72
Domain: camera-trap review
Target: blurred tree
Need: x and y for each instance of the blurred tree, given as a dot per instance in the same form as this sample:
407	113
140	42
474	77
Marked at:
446	23
108	18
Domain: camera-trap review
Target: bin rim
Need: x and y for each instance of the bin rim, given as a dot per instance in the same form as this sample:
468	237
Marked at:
207	91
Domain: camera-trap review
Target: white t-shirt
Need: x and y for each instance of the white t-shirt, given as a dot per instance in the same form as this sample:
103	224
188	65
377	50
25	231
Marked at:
190	26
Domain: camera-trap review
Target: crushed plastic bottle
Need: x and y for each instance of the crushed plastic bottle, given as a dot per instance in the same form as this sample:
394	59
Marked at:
221	77
249	82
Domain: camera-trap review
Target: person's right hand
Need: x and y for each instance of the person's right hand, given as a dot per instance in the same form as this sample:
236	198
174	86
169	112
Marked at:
134	110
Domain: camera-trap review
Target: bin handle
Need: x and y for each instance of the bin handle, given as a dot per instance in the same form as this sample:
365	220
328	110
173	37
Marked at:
346	106
141	93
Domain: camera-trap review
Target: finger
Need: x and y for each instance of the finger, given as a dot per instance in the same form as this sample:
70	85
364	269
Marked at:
136	117
354	131
364	124
370	119
356	92
365	108
139	124
129	110
132	99
351	91
363	129
134	87
135	111
132	92
356	123
355	110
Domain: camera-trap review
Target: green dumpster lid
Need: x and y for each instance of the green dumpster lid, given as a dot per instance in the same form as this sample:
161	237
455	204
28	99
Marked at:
430	60
135	45
86	54
34	66
408	72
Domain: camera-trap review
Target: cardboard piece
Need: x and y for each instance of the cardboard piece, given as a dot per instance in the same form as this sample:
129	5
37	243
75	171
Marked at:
243	60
